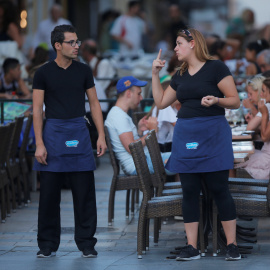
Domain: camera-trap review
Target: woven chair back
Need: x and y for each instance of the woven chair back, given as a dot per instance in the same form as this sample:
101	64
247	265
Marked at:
268	195
113	159
26	136
13	147
5	132
153	148
138	155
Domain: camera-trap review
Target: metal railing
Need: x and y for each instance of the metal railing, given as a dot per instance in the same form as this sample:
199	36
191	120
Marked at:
144	102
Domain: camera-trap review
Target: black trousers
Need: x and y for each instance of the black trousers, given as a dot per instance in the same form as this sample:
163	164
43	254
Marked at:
217	185
82	185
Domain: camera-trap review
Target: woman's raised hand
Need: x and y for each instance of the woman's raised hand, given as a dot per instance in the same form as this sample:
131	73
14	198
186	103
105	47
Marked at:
261	106
158	64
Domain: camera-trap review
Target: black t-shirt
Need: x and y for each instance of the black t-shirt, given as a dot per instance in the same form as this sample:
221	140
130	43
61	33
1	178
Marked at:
64	95
191	89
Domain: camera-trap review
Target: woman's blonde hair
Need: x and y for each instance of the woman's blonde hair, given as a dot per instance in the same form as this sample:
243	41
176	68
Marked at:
256	83
200	47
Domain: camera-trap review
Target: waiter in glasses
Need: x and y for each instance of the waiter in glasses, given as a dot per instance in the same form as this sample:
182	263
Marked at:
63	146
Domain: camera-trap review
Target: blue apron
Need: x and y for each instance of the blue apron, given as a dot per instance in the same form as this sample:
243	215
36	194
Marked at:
68	146
201	144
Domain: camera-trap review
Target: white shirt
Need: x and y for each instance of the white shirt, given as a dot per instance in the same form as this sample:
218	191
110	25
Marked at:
105	69
268	107
165	119
134	28
100	95
45	28
119	122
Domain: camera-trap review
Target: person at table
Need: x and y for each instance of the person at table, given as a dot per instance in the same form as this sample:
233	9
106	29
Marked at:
12	85
166	121
258	165
63	147
121	128
254	87
263	60
202	140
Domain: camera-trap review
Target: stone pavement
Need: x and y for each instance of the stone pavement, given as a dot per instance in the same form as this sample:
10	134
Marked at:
116	244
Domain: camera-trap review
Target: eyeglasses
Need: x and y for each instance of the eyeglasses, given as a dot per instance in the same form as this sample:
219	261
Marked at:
73	43
187	33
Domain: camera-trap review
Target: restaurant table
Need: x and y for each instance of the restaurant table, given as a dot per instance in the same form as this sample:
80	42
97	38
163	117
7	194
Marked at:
243	147
239	133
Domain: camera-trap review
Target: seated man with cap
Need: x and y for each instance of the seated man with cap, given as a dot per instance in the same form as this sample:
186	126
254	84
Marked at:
121	128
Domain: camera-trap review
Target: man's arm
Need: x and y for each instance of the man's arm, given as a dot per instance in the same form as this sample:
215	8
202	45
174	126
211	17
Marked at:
127	138
144	124
38	99
98	120
22	86
123	40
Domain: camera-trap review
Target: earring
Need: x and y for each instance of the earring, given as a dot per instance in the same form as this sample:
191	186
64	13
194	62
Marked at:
191	47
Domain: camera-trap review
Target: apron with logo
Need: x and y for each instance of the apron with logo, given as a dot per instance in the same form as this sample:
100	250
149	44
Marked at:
68	146
201	144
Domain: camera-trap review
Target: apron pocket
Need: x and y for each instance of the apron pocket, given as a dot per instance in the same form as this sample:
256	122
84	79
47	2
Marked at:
71	143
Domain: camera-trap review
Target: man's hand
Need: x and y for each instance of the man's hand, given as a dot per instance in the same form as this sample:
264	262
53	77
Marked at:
41	154
101	146
142	125
129	44
152	123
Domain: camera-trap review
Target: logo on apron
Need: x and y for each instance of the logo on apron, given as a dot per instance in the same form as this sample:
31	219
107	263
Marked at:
73	143
192	145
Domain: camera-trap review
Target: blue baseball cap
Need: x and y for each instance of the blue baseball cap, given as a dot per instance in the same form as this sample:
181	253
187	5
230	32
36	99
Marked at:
127	82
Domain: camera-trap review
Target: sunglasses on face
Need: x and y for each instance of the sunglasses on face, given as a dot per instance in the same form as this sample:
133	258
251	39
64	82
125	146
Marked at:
187	33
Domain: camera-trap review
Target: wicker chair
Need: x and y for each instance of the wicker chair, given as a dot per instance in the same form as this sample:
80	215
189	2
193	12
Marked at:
23	162
163	206
13	167
160	177
163	188
119	182
5	132
251	198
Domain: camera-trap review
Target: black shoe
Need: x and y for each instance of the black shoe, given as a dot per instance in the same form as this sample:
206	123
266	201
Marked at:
46	253
89	253
188	253
232	253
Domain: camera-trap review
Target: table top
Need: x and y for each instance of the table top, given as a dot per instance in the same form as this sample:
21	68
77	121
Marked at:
239	133
243	147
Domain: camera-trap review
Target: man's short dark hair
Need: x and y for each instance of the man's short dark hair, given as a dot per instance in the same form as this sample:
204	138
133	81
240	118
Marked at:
10	63
90	49
57	34
133	3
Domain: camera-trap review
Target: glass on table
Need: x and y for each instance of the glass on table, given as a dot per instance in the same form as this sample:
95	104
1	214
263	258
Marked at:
235	116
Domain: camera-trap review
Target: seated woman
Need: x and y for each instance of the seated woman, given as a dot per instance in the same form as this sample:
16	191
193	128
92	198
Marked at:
254	87
258	165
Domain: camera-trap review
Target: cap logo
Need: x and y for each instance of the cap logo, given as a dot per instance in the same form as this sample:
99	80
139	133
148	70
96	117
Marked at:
127	83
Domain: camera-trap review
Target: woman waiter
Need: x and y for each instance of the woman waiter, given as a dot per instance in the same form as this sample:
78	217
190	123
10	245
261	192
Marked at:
202	142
